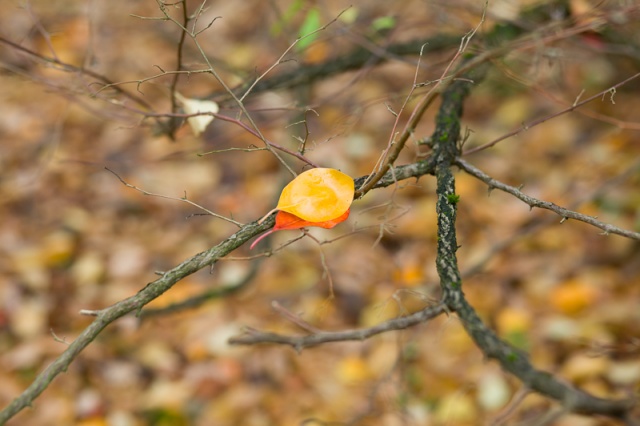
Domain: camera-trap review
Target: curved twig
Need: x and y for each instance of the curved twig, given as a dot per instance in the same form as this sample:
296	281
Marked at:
183	199
80	70
352	60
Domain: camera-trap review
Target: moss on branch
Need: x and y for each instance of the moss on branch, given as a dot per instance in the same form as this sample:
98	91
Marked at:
446	149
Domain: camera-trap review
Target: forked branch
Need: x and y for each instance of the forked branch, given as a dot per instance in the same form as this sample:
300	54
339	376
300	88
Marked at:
511	359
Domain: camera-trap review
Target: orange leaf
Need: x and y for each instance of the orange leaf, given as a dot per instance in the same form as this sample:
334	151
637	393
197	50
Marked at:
286	220
317	195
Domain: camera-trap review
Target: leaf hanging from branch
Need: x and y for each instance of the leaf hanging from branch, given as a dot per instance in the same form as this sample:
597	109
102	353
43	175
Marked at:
319	197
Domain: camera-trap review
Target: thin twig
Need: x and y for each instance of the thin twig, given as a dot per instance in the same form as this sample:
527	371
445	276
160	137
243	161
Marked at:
307	74
57	338
253	336
183	199
43	32
417	112
535	224
622	124
508	410
204	297
294	318
548	117
267	142
287	50
139	82
72	68
176	77
194	37
534	202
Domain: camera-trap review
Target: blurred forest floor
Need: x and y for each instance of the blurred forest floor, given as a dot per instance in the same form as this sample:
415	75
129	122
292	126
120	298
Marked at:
73	237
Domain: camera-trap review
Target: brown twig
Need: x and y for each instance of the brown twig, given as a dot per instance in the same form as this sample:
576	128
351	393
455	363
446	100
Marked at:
183	199
622	124
81	70
269	143
510	358
417	113
294	318
176	77
253	336
611	90
104	317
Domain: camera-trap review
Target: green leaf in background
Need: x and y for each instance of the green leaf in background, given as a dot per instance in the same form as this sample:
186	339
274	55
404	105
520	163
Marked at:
310	24
383	23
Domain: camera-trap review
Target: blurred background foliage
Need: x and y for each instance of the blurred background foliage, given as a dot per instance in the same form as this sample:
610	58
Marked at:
73	237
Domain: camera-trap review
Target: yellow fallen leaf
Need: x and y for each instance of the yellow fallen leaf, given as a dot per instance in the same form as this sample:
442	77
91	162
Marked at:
513	324
93	421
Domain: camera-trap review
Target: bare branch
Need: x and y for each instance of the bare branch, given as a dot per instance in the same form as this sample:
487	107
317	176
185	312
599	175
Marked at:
206	296
417	113
287	50
253	336
541	120
226	87
72	68
269	144
510	358
183	199
168	279
534	202
176	77
141	81
352	60
294	318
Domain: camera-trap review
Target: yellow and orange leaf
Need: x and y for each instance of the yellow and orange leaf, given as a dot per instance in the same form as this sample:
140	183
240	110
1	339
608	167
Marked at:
318	195
286	220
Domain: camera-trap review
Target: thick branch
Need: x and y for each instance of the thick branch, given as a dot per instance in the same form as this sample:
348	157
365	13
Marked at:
353	60
131	304
446	149
517	363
